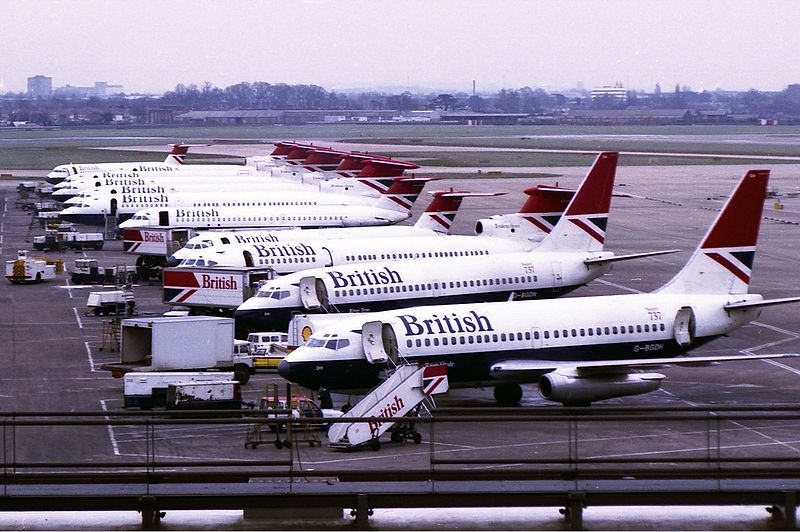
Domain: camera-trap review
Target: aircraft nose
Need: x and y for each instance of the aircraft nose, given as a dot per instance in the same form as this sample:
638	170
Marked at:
172	261
253	319
285	370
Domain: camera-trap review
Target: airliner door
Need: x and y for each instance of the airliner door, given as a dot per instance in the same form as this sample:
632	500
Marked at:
248	259
372	342
313	293
379	342
163	218
684	326
327	257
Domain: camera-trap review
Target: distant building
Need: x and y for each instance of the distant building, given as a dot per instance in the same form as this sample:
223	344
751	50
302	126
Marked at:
617	93
650	117
40	87
101	89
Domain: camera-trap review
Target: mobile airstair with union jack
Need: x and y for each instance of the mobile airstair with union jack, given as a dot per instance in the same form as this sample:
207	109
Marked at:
397	396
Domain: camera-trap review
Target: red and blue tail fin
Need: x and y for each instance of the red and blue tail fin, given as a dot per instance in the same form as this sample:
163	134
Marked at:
443	207
723	261
401	194
178	153
583	225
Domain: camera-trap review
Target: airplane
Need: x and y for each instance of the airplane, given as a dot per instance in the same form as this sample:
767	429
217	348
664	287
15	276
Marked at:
571	256
436	220
578	350
251	208
174	160
370	169
317	254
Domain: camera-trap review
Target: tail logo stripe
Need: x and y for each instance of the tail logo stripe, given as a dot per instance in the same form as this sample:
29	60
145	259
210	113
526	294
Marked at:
743	274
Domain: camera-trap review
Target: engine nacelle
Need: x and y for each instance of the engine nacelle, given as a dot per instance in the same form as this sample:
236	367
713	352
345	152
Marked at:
572	390
509	226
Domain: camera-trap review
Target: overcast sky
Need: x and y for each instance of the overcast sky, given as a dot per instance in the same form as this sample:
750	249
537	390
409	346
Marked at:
152	45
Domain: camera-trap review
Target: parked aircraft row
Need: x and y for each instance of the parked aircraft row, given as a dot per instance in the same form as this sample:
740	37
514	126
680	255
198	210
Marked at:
436	220
570	256
578	350
195	201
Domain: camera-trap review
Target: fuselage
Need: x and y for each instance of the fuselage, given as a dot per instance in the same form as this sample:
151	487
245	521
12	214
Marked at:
196	206
304	254
200	245
471	338
376	286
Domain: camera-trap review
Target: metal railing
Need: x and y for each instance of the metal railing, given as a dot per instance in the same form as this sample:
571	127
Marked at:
496	444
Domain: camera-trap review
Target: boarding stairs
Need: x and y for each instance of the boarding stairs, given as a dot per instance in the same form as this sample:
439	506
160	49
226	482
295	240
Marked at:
397	396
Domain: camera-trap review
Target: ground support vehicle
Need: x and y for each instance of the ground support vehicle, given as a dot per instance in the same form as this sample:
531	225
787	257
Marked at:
151	389
213	291
223	394
180	344
28	270
87	271
397	396
153	245
61	239
116	302
268	349
299	408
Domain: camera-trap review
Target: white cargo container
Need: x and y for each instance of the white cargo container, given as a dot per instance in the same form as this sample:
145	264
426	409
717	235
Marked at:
203	395
221	289
149	389
180	343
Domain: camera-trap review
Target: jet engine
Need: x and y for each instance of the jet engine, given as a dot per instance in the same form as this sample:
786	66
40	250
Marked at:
574	390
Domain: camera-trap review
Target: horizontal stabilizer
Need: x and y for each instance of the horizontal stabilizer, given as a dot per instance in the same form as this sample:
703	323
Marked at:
761	303
618	258
507	368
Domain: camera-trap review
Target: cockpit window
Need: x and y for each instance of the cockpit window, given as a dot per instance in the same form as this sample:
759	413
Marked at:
333	344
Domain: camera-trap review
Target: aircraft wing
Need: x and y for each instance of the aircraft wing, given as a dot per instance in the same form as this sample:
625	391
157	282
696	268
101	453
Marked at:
512	368
617	258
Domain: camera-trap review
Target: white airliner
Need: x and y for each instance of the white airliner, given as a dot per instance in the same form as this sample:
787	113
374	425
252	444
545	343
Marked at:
571	256
251	208
170	164
436	220
578	350
104	181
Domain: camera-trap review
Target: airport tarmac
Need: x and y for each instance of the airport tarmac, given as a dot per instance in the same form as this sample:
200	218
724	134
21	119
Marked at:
52	350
